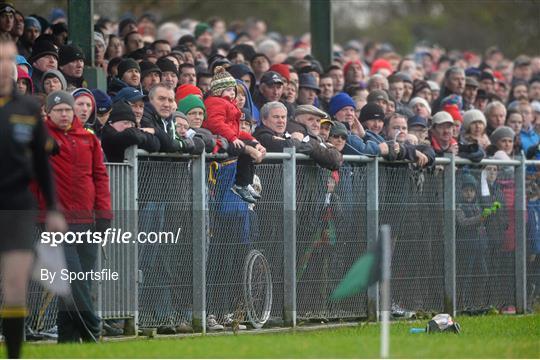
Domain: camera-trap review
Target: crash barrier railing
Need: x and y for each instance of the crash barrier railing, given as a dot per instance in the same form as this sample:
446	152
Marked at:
279	260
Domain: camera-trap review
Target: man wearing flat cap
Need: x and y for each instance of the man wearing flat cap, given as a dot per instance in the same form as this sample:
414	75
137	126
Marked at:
307	123
273	135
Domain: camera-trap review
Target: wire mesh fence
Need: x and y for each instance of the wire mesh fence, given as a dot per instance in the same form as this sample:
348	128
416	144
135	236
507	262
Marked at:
165	203
331	218
331	233
411	202
236	228
533	236
485	237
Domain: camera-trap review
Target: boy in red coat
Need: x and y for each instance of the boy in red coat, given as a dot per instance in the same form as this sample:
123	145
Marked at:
223	119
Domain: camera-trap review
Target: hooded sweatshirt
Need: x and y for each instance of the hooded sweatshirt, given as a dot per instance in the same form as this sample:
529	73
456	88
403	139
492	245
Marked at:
250	105
21	74
54	73
92	121
239	70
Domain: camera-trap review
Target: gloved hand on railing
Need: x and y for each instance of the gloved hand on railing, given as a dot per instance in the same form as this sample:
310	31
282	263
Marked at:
194	146
209	142
392	153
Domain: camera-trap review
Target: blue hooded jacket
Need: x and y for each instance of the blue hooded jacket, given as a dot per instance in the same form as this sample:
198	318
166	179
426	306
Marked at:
239	70
249	102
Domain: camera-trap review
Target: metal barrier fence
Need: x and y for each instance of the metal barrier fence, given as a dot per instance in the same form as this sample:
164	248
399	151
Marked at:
311	225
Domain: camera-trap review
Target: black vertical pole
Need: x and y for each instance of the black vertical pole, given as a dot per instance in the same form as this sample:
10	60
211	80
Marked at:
322	35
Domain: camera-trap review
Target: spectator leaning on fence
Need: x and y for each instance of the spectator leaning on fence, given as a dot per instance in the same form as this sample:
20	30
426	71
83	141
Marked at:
306	123
121	132
135	99
193	112
273	135
157	116
396	130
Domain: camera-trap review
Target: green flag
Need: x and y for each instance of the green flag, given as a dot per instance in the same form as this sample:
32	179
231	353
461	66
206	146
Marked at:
364	272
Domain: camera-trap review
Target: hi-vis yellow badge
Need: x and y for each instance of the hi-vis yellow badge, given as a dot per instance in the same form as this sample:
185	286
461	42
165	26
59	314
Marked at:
23	119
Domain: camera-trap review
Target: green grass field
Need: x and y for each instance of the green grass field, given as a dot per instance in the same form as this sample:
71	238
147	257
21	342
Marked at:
495	336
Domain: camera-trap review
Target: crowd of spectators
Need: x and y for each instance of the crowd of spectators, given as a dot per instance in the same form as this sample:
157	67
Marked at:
193	86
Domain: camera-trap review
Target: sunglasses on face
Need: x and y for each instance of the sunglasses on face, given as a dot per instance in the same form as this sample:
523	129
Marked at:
342	137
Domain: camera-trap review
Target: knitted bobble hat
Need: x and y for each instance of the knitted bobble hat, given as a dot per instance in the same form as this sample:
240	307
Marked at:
221	81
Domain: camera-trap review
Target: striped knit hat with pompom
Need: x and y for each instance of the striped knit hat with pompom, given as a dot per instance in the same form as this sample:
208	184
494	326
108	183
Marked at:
221	81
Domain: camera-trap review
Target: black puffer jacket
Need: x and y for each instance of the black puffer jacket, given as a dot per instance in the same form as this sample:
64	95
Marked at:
115	143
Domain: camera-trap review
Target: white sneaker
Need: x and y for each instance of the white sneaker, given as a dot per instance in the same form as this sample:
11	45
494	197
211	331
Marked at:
254	192
212	324
229	318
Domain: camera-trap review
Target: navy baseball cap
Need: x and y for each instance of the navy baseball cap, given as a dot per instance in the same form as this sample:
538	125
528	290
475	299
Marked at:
417	120
103	101
129	94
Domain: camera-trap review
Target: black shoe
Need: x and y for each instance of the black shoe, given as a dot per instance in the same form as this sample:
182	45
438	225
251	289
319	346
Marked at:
109	330
166	330
244	193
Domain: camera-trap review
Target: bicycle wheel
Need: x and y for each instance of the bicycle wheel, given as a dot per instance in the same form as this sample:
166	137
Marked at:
257	288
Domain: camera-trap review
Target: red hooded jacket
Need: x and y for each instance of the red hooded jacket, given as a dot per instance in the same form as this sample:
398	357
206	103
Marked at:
21	74
223	119
82	182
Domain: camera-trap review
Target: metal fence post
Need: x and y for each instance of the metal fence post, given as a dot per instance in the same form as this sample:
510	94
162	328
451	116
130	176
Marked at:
200	207
449	229
372	228
521	237
289	238
131	327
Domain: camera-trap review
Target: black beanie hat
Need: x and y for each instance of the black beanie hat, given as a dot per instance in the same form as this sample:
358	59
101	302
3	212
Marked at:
69	53
121	111
148	67
371	111
126	65
42	48
167	65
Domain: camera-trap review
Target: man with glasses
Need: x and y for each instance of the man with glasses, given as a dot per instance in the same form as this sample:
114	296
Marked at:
83	192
